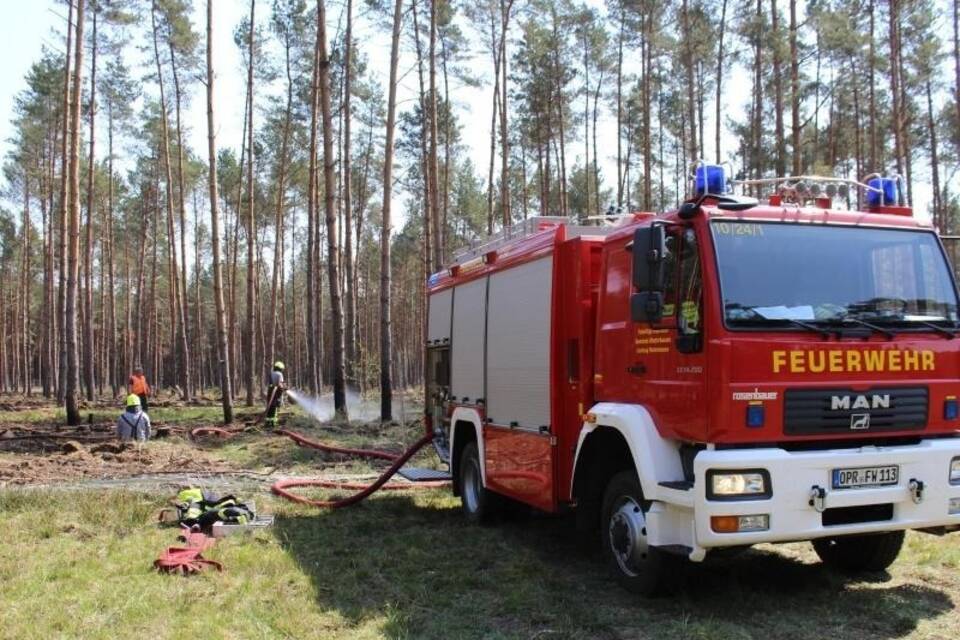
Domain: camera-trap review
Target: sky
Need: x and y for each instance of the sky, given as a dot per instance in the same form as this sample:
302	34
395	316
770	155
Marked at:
29	25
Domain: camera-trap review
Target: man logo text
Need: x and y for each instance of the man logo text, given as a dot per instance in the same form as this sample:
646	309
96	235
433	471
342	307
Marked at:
876	401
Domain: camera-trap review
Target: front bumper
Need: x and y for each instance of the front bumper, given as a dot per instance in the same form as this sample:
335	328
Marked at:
794	515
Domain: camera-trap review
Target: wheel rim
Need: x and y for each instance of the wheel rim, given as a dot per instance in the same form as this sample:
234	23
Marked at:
471	486
627	531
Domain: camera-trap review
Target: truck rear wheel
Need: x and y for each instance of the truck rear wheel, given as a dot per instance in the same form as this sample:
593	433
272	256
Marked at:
853	554
637	566
477	502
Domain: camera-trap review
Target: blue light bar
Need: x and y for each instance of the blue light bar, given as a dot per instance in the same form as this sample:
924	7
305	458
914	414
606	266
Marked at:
885	196
710	178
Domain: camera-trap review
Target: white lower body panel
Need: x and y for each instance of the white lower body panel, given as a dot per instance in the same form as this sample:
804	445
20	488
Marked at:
793	476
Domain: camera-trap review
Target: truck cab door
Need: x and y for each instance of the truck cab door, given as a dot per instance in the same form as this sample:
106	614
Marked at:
670	361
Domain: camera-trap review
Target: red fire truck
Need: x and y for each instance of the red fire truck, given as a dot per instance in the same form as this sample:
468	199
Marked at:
726	374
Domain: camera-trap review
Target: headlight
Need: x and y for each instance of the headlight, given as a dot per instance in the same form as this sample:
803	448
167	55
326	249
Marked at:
955	470
753	483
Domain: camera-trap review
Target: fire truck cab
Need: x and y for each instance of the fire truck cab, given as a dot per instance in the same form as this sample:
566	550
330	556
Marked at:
722	375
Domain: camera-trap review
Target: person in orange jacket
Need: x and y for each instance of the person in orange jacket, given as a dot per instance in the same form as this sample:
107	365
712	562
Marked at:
137	385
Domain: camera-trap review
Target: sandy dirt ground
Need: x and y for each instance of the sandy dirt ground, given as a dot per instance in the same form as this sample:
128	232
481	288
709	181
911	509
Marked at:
38	450
45	454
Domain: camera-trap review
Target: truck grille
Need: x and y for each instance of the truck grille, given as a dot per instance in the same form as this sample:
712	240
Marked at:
831	411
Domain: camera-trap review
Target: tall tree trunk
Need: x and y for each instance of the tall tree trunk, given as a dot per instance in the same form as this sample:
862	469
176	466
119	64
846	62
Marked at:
277	275
347	178
691	89
896	113
386	345
73	227
781	159
425	153
179	348
586	121
433	188
956	59
876	158
938	211
441	239
111	264
505	8
757	127
88	373
222	353
64	207
620	37
647	62
596	165
46	360
905	117
182	208
24	289
795	92
560	101
251	223
720	53
495	50
313	319
336	309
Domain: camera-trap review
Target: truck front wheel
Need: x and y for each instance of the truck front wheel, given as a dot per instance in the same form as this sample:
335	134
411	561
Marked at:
853	554
636	565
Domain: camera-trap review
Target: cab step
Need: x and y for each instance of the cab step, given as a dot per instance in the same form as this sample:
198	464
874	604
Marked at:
419	474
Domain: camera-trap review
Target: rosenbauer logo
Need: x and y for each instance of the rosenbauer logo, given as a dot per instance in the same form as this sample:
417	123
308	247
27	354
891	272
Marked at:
755	395
852	360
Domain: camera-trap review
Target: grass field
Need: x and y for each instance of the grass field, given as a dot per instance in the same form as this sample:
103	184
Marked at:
77	564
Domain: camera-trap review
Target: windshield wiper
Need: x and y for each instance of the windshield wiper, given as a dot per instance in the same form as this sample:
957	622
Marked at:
949	333
759	320
810	327
863	323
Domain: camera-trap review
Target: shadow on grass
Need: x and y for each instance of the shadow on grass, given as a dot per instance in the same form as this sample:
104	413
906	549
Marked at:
417	564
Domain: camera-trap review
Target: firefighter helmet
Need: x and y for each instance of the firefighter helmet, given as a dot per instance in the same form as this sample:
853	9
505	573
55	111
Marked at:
133	400
278	365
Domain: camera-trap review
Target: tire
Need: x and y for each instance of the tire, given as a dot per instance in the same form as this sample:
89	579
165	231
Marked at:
860	553
479	504
638	568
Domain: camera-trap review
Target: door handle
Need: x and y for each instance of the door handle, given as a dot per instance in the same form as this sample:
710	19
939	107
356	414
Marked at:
637	369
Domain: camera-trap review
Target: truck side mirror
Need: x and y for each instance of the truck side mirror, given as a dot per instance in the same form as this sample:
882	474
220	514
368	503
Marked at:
649	253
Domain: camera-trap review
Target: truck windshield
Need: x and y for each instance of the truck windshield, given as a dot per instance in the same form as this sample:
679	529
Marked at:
804	276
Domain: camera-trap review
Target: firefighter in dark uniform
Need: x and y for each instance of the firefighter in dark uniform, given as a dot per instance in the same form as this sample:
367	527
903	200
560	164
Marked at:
275	392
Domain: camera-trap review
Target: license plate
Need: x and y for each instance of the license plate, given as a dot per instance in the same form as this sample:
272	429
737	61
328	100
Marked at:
858	477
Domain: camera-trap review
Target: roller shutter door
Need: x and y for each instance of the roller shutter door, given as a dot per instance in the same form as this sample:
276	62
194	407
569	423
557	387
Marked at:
518	348
438	327
466	352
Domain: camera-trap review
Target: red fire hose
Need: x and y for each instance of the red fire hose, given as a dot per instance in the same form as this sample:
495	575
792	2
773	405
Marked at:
303	441
280	487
